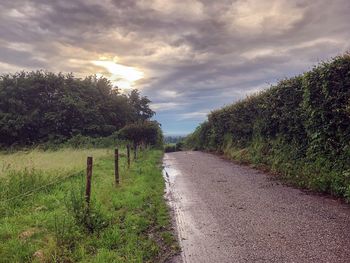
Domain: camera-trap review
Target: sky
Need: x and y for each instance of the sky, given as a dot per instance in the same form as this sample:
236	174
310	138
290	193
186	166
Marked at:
189	57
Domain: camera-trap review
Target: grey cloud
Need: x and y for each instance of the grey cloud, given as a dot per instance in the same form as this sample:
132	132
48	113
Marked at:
20	58
196	54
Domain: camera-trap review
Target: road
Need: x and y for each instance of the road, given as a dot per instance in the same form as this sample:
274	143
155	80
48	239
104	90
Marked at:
225	212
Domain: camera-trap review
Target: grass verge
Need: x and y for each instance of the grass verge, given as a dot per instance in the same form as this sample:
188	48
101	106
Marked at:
127	223
291	165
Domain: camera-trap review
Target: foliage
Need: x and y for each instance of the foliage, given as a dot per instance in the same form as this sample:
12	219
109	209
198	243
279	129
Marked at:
145	132
201	138
40	106
91	218
140	110
299	127
173	139
129	223
172	147
19	182
80	141
169	148
179	146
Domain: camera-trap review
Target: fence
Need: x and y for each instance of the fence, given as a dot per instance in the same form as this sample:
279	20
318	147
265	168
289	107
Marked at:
89	168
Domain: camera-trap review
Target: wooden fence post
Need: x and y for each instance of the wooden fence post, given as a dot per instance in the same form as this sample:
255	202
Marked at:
128	154
135	150
116	166
88	180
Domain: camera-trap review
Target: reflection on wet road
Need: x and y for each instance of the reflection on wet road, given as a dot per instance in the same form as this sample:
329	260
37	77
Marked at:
230	213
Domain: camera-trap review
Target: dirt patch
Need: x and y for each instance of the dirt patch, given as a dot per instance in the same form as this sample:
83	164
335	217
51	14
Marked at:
39	256
27	234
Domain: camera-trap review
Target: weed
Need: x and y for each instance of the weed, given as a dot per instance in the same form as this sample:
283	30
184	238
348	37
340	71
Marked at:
88	216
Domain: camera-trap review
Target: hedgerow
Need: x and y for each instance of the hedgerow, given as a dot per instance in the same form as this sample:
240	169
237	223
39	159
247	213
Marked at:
299	127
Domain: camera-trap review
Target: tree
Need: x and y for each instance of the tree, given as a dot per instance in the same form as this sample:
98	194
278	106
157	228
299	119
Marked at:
141	110
145	132
39	106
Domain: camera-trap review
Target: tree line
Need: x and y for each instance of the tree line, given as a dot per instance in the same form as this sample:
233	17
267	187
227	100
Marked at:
41	106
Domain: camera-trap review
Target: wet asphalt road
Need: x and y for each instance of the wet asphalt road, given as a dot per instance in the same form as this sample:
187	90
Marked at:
230	213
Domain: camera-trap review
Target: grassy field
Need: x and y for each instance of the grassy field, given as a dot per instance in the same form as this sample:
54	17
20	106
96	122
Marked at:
128	223
62	161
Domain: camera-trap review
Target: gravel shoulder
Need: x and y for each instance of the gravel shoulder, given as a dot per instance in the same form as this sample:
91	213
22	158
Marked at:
225	212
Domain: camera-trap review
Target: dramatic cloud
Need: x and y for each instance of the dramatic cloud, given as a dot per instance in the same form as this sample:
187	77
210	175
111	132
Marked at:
188	56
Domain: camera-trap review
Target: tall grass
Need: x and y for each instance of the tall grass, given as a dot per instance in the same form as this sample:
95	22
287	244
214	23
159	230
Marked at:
128	223
287	161
58	162
24	173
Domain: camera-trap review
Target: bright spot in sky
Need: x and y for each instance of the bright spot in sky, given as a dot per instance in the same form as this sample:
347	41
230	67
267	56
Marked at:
122	76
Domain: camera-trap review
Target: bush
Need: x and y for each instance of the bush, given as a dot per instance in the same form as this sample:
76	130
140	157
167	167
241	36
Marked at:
89	217
145	132
305	119
170	148
80	141
179	146
174	147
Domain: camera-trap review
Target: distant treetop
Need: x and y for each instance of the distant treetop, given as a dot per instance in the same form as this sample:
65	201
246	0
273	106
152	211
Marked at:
39	106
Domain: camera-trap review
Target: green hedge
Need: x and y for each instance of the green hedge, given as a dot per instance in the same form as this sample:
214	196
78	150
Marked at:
304	121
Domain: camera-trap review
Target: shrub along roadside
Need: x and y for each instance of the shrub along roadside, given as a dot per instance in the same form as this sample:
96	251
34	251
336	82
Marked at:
142	133
129	223
299	128
173	147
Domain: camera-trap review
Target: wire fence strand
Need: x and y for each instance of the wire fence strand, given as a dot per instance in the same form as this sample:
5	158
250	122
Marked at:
35	190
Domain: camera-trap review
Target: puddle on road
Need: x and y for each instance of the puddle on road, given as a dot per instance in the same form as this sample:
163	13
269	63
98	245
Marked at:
193	224
169	173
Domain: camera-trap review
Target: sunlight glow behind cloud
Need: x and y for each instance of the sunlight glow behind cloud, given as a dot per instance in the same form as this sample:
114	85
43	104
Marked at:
256	15
122	76
189	57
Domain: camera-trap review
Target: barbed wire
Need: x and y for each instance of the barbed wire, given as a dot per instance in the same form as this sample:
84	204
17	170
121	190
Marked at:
60	179
35	190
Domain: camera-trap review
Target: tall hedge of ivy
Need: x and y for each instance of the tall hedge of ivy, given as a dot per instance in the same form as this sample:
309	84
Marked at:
308	114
